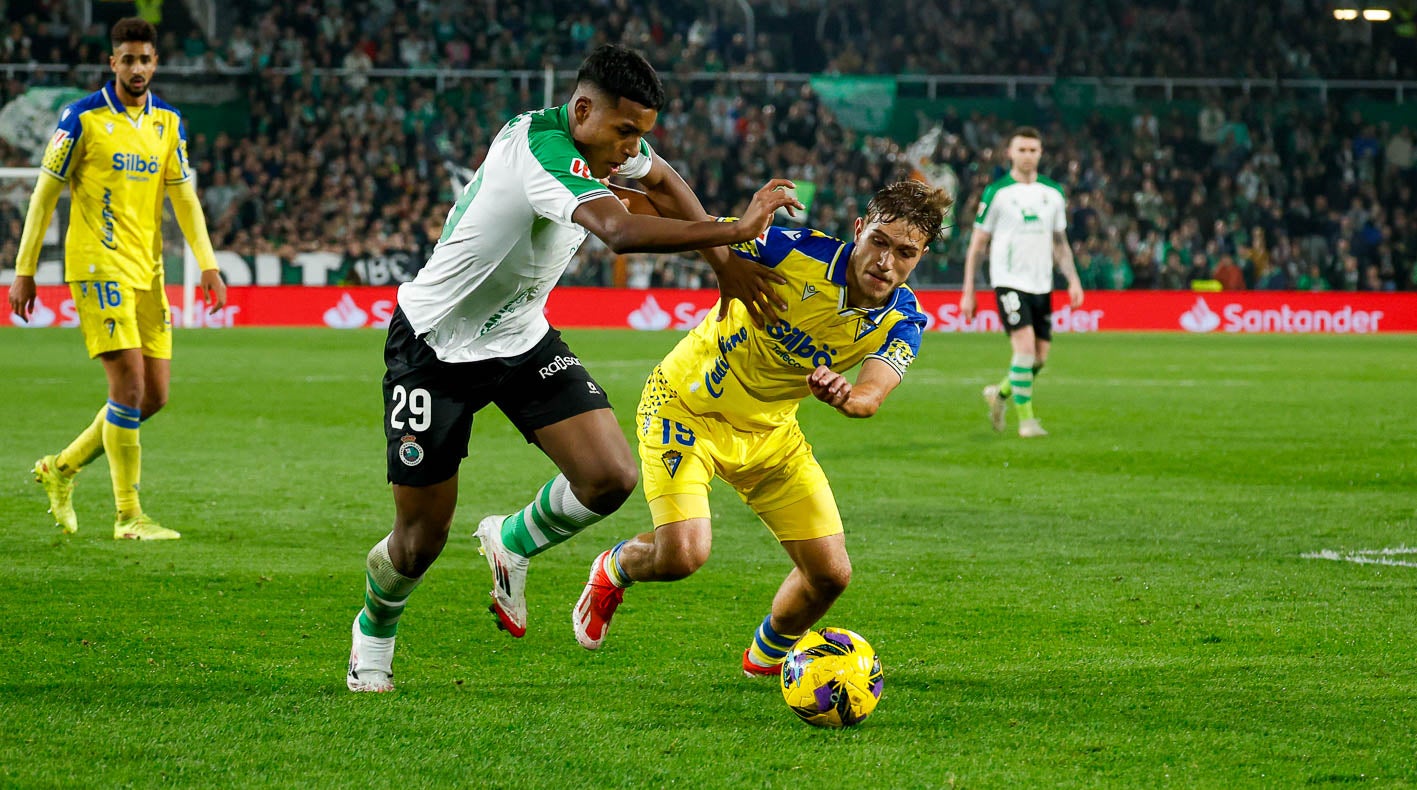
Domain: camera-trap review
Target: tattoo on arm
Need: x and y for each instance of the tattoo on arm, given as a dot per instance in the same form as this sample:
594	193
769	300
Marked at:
1063	257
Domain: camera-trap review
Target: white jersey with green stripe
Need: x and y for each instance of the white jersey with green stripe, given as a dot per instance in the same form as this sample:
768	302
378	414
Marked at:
1021	219
507	241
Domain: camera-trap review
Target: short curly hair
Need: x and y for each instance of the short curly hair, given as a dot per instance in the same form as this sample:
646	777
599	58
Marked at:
132	28
922	206
622	73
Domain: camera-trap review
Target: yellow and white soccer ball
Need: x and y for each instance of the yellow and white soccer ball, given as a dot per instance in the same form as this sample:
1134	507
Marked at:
832	678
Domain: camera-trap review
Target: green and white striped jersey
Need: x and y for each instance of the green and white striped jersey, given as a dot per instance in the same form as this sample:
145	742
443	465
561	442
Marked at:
1021	219
507	241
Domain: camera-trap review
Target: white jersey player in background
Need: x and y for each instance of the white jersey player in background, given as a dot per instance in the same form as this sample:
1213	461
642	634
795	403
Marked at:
1022	221
470	331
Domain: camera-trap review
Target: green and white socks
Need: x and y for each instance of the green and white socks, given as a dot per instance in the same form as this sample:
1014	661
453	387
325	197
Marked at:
551	518
385	592
1019	384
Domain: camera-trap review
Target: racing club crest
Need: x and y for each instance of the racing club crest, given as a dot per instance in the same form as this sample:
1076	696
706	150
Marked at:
671	459
410	452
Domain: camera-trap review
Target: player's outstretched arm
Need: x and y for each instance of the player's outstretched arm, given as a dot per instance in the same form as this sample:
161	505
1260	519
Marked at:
625	232
864	398
188	208
47	190
743	280
978	243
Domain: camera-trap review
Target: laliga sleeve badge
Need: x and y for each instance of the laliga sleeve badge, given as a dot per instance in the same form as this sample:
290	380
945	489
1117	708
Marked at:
410	452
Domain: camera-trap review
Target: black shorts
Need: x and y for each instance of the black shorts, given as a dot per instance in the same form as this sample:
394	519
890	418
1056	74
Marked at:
429	403
1018	309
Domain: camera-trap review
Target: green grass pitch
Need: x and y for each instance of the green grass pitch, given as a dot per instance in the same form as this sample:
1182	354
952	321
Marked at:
1123	603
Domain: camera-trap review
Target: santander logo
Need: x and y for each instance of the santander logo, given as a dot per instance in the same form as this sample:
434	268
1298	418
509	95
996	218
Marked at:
650	316
1200	318
346	314
1235	317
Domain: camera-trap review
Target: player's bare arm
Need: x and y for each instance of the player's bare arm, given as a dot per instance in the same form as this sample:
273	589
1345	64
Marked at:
978	245
625	232
862	399
746	281
1063	258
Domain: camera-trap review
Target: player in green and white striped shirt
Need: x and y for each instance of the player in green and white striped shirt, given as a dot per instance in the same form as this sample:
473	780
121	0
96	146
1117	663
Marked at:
470	331
1022	221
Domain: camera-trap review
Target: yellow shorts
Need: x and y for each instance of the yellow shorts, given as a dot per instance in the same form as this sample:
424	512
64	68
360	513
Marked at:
115	317
774	472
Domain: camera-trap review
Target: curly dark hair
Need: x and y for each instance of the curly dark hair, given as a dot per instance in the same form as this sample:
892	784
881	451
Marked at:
622	73
922	206
132	28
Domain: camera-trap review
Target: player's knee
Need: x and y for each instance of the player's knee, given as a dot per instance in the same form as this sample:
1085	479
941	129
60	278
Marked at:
832	580
418	542
680	560
608	489
153	403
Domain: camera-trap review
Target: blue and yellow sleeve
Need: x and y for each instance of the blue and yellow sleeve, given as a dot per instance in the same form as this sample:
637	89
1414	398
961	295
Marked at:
770	247
900	348
178	169
62	150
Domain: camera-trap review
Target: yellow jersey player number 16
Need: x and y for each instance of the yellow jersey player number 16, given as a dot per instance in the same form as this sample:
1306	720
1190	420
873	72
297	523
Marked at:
120	150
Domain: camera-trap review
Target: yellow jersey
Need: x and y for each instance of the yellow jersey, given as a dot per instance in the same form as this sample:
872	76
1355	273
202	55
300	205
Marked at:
117	161
754	378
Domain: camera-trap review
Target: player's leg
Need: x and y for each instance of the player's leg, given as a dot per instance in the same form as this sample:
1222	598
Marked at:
810	532
1016	321
558	407
151	364
154	317
423	516
428	415
106	327
788	490
157	383
1032	350
677	464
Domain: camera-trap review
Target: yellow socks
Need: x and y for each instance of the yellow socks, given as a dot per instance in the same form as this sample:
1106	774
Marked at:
85	448
125	456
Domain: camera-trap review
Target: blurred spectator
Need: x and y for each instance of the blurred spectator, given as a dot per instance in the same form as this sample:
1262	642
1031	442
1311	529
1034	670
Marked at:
1229	275
1282	192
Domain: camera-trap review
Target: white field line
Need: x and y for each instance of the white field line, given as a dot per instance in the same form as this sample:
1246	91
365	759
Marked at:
1368	556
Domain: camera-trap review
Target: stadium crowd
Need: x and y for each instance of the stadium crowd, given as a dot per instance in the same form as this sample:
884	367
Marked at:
1122	38
1254	194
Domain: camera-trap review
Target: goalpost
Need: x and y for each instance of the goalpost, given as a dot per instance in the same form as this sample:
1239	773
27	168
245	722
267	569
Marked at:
16	185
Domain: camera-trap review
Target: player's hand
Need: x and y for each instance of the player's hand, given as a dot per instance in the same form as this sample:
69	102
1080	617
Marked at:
213	291
752	285
967	305
22	294
1075	295
774	195
829	387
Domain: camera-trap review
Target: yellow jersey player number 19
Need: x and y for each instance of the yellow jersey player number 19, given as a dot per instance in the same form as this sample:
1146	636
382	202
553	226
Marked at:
723	404
120	150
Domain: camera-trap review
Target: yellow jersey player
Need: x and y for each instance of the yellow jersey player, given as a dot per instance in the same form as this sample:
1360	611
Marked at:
119	150
724	404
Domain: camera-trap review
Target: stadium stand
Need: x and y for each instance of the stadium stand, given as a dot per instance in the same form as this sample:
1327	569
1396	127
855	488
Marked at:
1266	184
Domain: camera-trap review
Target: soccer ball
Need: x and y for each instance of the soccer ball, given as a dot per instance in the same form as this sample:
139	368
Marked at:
832	678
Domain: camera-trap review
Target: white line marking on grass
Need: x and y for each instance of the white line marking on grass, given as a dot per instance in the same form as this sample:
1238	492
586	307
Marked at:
1367	556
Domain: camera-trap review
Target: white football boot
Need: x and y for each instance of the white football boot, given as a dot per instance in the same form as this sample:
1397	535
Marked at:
508	577
371	662
1029	429
998	406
